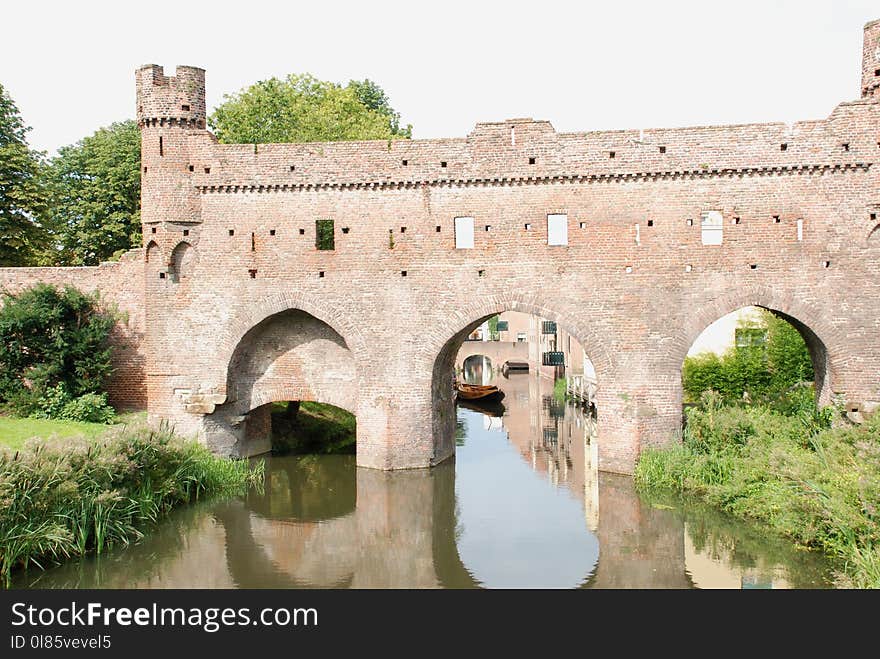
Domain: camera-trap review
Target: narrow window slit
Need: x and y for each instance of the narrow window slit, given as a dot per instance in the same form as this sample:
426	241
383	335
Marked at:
192	168
662	149
531	161
161	146
232	232
186	232
207	170
437	229
302	232
152	229
253	274
271	232
403	273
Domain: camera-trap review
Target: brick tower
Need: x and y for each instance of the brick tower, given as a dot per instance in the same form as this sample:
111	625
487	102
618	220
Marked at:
169	110
871	61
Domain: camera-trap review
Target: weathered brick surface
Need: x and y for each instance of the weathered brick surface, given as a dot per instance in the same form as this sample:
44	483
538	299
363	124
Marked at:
237	313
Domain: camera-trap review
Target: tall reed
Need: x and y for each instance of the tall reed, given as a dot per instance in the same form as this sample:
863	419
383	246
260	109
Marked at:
63	498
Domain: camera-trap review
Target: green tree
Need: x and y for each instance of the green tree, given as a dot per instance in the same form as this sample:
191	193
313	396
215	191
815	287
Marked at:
96	190
301	108
53	345
21	189
765	372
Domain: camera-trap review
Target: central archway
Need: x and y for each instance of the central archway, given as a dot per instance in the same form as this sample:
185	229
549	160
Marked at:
444	343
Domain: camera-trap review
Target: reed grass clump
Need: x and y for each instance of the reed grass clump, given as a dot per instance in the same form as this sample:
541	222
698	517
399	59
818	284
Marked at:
61	498
816	485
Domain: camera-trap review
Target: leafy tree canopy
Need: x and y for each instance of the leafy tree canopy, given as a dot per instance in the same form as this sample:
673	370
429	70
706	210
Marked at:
302	108
22	195
96	190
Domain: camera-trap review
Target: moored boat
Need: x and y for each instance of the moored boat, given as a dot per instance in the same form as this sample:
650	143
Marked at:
478	392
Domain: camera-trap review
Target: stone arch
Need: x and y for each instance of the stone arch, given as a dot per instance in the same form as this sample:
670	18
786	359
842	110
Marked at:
440	348
231	335
182	261
291	355
873	239
287	355
825	343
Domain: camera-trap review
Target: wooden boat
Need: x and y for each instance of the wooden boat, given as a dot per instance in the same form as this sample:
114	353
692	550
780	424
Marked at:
478	392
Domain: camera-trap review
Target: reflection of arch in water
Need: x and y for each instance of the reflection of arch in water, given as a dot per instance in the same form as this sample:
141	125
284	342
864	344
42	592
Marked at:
247	560
307	488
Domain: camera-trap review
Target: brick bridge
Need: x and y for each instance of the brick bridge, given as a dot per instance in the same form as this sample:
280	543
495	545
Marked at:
232	305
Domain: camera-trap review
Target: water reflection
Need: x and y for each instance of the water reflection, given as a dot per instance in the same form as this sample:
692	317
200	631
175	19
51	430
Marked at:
521	506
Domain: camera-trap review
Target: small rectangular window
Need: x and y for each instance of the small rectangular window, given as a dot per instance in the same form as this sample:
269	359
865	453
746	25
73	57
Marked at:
557	229
713	227
464	233
324	236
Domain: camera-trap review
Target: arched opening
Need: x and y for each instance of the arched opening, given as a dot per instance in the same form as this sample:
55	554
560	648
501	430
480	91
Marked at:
291	373
477	369
874	237
526	460
182	262
757	355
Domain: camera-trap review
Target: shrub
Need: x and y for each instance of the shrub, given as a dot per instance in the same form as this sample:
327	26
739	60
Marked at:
92	408
53	348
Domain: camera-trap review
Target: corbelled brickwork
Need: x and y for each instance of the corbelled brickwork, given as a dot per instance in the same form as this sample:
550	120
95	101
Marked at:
242	308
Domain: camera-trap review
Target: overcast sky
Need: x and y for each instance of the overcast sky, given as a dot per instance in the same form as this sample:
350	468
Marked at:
446	65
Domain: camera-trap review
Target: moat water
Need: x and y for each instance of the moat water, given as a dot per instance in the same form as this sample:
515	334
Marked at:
521	506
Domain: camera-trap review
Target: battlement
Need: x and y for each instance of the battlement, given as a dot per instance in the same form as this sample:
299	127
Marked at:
871	61
177	99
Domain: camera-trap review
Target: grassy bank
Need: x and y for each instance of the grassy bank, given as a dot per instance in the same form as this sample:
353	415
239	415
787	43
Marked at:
61	498
316	428
15	431
817	486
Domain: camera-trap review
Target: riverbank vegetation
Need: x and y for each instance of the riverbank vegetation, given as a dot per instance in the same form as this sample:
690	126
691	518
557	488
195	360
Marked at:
312	428
817	485
756	446
62	498
55	354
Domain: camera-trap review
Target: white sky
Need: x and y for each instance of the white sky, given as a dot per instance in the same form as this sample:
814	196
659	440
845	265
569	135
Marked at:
447	64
